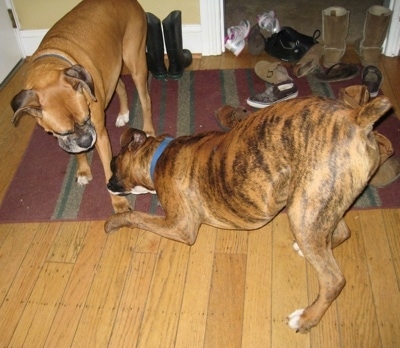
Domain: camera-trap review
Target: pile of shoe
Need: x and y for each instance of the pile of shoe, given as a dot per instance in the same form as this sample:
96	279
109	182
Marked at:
279	85
267	24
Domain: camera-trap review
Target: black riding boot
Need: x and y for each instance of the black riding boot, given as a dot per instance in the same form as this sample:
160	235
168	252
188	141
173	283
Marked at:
155	47
178	57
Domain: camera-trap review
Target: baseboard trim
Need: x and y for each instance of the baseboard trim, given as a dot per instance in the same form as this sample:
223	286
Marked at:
191	36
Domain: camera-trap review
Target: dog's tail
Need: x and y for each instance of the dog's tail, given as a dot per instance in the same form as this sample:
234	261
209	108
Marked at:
368	114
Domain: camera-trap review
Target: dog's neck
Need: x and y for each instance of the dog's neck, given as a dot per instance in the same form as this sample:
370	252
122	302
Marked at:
160	149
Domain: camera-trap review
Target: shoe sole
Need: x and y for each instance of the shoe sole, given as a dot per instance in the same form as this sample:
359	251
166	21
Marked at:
262	106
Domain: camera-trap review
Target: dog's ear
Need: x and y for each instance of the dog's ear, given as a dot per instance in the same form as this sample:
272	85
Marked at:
25	102
369	113
80	79
132	137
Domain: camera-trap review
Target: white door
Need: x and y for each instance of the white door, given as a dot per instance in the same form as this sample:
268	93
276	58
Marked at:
10	51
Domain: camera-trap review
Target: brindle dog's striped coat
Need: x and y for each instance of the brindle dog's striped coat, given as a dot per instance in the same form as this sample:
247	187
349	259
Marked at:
312	155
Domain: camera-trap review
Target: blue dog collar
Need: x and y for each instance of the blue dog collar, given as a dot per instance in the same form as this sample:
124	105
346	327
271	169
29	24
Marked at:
160	149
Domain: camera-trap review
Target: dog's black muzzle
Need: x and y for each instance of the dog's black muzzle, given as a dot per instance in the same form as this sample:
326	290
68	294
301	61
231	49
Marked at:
82	139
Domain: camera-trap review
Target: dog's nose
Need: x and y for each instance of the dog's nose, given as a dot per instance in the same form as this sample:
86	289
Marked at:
85	141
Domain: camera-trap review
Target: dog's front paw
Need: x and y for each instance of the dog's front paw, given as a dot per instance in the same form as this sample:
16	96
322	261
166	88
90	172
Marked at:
83	179
120	204
110	226
294	319
122	119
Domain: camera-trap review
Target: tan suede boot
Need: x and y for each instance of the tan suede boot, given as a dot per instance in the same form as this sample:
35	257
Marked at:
335	24
376	26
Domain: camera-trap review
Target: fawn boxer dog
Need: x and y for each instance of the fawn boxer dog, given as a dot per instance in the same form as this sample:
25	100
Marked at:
74	73
312	155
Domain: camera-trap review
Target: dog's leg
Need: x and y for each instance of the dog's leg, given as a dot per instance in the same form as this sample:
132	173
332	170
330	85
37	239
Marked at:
340	235
83	173
123	115
103	147
180	231
134	57
315	241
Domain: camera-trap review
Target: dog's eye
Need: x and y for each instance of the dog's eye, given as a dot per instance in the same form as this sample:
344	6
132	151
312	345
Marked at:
63	134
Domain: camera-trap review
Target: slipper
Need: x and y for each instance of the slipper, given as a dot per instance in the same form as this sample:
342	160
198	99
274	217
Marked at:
387	173
256	42
354	96
274	73
228	116
372	78
309	62
338	72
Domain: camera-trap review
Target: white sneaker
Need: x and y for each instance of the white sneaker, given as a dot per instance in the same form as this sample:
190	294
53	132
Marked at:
269	22
235	40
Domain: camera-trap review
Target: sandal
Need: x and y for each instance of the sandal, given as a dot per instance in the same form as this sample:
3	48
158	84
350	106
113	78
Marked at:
309	62
274	73
228	116
338	72
372	78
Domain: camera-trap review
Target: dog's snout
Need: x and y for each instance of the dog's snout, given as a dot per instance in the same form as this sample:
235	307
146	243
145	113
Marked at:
115	188
85	141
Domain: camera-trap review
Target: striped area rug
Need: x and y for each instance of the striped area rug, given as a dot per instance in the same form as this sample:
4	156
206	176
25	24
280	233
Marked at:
44	186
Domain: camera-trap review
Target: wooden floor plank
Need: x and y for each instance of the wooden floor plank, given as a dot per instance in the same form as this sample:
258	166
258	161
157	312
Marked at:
68	243
36	320
225	312
392	226
382	277
130	314
289	285
77	288
97	320
231	242
25	279
358	324
12	252
194	311
258	297
165	296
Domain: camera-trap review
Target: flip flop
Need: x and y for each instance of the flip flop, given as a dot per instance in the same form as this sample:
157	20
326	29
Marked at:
371	77
337	72
271	72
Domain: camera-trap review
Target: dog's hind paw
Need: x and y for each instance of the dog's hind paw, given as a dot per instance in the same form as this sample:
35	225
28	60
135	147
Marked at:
294	319
296	248
122	120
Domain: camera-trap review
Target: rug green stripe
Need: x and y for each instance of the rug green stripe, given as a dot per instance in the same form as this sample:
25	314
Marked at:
229	88
320	88
369	198
185	111
71	193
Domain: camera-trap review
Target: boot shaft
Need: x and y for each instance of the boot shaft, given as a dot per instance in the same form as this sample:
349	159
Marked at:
376	24
178	58
335	24
155	47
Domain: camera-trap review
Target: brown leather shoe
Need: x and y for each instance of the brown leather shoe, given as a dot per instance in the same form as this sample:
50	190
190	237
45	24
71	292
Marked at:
388	172
228	116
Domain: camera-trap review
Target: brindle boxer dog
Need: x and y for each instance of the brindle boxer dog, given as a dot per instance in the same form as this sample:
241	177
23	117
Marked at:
312	155
74	73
